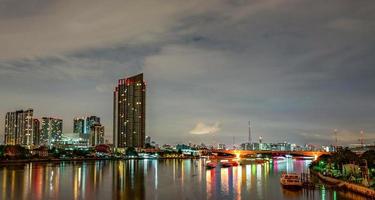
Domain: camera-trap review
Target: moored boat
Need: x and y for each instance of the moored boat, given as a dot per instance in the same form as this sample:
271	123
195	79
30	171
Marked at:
278	158
210	165
291	181
304	158
226	163
234	163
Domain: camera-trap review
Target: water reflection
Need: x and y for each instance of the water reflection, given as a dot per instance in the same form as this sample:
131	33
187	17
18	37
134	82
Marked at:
154	179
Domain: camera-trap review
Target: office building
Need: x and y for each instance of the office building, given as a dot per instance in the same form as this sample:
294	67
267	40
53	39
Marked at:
36	132
78	126
51	130
129	112
19	127
82	126
96	135
89	122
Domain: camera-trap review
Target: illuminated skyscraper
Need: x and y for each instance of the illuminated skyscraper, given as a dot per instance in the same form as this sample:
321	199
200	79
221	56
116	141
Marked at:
51	130
78	126
129	110
82	126
96	135
19	127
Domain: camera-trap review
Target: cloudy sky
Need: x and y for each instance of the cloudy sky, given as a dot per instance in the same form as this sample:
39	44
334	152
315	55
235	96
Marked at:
296	69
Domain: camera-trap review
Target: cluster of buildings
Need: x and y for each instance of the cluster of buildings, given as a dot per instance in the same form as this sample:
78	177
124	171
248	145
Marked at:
22	128
129	111
283	146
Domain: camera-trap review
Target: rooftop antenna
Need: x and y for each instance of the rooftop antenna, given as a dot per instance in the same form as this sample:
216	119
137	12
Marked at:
361	138
249	133
335	135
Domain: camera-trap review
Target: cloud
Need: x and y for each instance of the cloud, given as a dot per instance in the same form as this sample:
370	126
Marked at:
46	27
202	128
240	61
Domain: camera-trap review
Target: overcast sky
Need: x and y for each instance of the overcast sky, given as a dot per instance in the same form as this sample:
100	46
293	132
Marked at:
296	69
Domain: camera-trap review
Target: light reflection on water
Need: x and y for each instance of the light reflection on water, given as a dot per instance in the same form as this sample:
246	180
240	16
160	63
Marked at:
154	179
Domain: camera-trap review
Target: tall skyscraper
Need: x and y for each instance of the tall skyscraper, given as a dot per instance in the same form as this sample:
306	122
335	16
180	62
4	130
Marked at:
51	130
19	127
129	112
36	131
78	126
96	135
82	126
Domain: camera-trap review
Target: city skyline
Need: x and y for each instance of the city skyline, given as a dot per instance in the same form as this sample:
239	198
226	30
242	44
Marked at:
210	67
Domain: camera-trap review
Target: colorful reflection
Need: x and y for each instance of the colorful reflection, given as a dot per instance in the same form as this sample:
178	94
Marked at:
154	179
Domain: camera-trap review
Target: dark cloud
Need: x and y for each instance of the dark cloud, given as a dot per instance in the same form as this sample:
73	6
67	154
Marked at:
296	69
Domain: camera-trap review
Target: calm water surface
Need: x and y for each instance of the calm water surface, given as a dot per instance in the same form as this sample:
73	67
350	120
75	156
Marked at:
154	179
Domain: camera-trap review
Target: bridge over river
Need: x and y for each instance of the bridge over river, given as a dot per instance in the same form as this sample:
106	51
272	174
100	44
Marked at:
244	153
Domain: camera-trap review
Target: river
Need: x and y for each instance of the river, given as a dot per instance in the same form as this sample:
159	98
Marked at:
155	179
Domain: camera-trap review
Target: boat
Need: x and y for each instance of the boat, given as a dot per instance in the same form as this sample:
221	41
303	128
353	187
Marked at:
226	163
260	161
304	158
291	181
234	163
288	156
278	158
210	165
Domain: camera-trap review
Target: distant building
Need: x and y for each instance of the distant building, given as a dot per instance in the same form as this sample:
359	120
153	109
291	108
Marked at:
148	140
19	127
96	135
256	146
79	126
71	141
82	126
36	131
221	146
129	112
51	130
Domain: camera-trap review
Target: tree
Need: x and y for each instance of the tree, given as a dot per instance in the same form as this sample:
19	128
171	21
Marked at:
370	157
344	156
130	151
103	148
16	151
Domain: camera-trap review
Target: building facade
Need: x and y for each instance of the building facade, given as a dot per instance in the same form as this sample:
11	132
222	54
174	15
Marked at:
51	130
78	126
19	127
36	132
129	112
96	135
82	126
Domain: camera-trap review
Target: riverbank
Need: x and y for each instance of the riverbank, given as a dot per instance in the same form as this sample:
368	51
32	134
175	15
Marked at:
346	186
52	160
5	162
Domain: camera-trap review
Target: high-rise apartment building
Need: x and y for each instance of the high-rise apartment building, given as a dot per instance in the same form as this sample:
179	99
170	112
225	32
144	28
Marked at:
129	112
36	132
19	127
78	126
82	126
96	135
51	130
